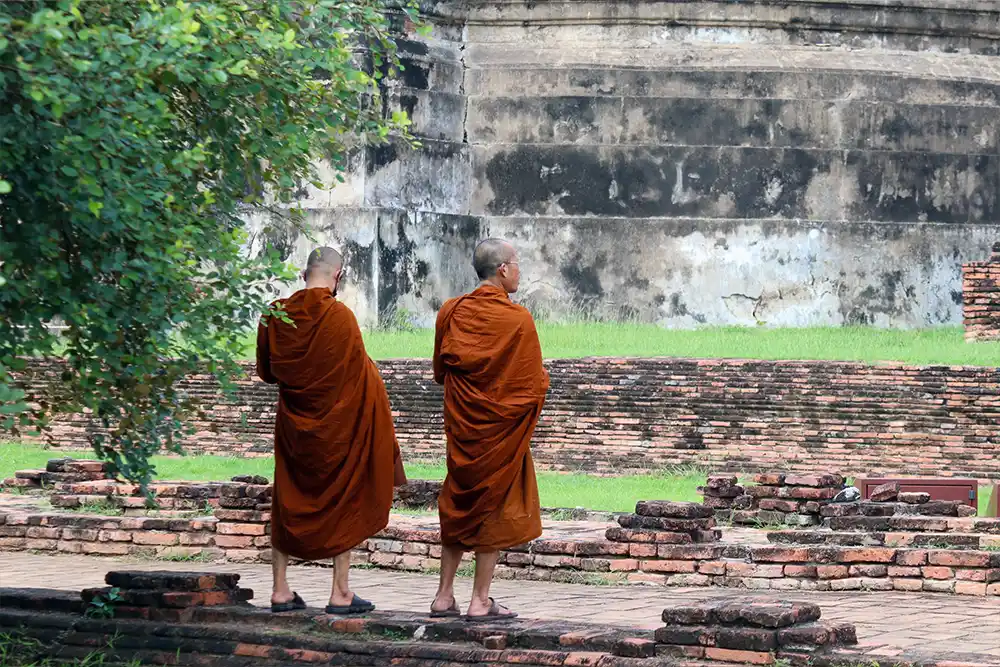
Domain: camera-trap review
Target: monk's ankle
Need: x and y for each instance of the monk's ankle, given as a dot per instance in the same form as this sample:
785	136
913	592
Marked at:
449	602
341	599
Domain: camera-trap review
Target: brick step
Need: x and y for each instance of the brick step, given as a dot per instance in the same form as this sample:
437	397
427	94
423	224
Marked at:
41	599
878	539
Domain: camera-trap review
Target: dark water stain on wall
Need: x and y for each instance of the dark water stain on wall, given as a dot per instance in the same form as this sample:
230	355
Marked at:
584	279
396	264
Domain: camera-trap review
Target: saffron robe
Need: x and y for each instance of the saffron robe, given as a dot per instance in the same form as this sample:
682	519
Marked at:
488	357
336	457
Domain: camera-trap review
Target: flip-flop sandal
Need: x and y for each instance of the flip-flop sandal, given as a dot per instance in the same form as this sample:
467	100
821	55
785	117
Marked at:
294	604
450	612
357	606
494	614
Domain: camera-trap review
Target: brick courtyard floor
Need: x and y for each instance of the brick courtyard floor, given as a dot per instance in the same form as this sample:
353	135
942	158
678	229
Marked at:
887	623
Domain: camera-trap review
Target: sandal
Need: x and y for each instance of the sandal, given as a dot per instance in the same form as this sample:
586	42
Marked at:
494	614
357	606
294	604
450	612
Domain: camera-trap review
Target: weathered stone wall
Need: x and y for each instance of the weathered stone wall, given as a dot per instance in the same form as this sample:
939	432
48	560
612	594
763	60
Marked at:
615	415
701	162
981	298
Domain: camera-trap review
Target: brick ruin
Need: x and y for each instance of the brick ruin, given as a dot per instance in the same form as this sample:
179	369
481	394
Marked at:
778	499
199	618
905	542
981	298
613	415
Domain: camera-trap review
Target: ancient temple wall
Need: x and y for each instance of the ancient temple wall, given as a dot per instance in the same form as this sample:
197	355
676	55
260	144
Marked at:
686	163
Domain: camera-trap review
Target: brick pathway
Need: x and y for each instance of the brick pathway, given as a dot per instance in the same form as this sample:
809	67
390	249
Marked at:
886	622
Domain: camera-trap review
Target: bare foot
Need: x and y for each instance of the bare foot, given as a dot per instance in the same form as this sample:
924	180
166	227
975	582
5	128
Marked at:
480	609
281	597
444	604
341	599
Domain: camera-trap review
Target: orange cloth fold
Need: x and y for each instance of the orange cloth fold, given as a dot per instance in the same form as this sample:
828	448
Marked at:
336	457
487	356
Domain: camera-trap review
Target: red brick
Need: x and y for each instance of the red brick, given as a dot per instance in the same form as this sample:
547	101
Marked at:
240	529
716	567
667	565
216	598
959	558
780	555
911	585
915	557
253	650
183	599
970	588
71	546
804	571
41	544
743	657
106	548
153	538
827	480
37	532
778	505
937	572
865	555
623	564
809	493
688	552
865	570
583	659
114	536
195	539
642	550
832	571
233	541
769	478
900	571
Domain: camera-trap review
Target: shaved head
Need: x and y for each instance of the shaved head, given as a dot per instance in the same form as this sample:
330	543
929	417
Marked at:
489	255
323	263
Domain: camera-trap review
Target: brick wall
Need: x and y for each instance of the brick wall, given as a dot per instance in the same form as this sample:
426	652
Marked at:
981	298
607	415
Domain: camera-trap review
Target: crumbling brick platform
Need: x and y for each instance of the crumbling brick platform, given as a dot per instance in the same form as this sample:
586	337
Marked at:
609	414
201	618
773	499
981	298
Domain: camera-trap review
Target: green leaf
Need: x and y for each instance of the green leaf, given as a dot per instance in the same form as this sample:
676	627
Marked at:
157	155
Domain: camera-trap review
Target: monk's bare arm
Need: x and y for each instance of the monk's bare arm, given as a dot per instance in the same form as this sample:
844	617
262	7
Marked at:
264	356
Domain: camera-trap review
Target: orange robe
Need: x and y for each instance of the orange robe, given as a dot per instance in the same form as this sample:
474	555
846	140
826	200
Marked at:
336	457
487	356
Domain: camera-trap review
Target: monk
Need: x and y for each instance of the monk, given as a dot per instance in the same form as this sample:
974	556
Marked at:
336	457
487	356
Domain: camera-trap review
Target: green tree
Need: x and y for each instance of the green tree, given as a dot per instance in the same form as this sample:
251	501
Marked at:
134	138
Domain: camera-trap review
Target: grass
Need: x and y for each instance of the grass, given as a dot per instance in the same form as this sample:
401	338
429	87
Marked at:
943	345
617	494
609	494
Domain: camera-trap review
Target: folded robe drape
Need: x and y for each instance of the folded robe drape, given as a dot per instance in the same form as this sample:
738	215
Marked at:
336	457
488	357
